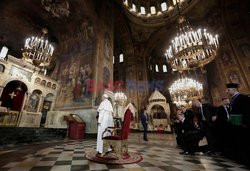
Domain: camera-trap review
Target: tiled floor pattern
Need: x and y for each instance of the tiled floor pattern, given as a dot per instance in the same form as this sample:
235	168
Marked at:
159	153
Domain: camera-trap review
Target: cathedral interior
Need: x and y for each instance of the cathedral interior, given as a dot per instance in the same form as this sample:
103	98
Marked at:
58	58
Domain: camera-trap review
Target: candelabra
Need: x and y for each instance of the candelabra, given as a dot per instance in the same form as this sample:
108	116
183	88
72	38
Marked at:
191	49
185	89
37	50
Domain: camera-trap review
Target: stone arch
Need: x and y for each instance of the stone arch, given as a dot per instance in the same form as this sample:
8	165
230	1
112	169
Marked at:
2	68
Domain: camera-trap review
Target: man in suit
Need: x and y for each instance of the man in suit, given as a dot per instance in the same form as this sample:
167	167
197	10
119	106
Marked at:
206	114
187	113
189	137
144	121
222	125
239	105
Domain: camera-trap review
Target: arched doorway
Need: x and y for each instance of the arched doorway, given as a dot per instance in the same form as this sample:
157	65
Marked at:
47	103
13	95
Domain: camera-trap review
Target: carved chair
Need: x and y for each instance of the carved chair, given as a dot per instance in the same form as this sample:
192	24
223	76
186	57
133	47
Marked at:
117	141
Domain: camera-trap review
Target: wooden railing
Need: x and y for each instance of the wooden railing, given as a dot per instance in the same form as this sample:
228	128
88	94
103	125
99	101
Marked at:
9	118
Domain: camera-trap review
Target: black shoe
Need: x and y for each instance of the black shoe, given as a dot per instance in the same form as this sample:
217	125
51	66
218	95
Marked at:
145	139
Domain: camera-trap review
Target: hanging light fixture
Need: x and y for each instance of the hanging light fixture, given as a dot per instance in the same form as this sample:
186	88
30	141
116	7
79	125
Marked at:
38	50
190	48
185	89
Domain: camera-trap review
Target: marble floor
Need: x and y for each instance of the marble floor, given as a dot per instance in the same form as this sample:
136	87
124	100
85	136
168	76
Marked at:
159	153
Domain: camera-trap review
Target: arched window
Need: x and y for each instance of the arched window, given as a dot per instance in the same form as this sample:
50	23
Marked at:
164	6
152	10
3	52
164	68
121	58
125	2
174	2
2	68
156	68
143	11
133	8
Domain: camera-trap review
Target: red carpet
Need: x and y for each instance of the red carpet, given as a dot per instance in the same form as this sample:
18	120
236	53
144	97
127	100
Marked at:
112	159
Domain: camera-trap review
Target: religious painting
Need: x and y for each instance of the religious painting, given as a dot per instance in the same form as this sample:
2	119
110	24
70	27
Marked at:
106	76
226	58
107	46
34	101
76	68
234	77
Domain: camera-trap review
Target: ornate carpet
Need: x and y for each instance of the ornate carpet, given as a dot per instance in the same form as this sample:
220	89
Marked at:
110	158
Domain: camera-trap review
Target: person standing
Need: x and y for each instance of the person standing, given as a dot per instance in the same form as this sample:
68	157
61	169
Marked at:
144	121
239	105
222	124
105	119
187	113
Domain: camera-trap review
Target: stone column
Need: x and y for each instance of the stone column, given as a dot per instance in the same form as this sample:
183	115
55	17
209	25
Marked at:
40	104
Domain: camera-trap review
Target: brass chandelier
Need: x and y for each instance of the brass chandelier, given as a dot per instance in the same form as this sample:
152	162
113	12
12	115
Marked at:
190	48
37	50
185	89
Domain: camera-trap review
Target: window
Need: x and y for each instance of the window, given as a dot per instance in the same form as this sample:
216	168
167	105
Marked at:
174	2
113	59
164	68
156	68
164	6
133	8
121	58
125	2
3	52
143	11
2	68
152	10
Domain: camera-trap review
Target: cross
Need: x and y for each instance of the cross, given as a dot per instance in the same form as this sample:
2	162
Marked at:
12	95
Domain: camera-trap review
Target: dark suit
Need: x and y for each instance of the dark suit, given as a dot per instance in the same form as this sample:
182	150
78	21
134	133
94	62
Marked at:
206	124
144	121
221	128
240	104
189	137
189	114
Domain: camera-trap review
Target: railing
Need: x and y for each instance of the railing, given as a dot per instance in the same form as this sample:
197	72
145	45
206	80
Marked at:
9	118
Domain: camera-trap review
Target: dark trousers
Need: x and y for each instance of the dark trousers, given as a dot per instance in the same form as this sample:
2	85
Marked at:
208	133
145	130
189	141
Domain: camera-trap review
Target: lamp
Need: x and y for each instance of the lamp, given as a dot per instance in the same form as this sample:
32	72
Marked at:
185	89
190	48
38	50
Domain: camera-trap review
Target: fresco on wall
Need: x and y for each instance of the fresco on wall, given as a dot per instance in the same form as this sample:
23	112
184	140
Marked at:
246	50
234	77
107	46
226	59
76	67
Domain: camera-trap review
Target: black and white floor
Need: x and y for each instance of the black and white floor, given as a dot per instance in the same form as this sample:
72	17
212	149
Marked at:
159	153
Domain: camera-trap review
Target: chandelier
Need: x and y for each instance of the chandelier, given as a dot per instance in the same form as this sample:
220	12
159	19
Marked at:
120	98
190	48
38	50
185	89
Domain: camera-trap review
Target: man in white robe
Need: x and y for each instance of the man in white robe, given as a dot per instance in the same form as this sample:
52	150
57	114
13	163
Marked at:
105	120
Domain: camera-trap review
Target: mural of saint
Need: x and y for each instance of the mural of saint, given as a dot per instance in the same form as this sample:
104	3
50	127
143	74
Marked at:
33	102
107	46
234	77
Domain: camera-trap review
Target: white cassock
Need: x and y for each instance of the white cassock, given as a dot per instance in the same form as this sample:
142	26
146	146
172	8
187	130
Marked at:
105	120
